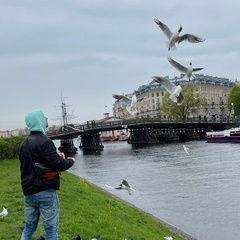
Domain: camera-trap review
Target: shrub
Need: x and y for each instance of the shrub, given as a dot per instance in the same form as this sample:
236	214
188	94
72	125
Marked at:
9	147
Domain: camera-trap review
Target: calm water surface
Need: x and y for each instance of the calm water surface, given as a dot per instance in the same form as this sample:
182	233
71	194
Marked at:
198	193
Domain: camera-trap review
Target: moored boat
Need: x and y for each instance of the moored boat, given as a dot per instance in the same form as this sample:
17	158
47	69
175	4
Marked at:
231	135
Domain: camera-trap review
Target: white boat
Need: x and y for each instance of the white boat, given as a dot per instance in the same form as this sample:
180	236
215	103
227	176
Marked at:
231	135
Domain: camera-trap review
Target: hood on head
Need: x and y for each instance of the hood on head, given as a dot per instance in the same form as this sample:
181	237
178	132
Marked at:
36	121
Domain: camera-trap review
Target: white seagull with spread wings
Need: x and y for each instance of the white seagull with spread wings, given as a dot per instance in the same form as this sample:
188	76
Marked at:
175	91
131	103
188	71
175	38
186	149
124	185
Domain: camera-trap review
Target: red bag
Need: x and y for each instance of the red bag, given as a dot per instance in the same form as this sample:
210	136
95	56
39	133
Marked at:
44	171
49	175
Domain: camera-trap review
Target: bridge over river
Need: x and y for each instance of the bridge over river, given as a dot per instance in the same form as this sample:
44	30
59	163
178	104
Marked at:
141	132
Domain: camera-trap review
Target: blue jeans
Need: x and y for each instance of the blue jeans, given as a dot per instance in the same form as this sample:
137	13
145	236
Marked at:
46	204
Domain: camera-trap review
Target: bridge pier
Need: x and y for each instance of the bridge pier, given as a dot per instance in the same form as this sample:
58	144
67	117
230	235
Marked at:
144	135
91	141
67	146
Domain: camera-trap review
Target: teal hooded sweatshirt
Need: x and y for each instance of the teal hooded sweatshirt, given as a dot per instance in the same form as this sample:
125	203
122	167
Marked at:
36	121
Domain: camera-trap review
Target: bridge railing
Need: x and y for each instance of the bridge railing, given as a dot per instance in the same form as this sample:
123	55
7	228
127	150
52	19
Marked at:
100	126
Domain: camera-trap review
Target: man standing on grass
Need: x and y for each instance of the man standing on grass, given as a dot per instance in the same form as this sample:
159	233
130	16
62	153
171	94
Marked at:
39	165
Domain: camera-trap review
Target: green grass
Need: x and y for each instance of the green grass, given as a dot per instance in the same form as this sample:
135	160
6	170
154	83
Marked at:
84	209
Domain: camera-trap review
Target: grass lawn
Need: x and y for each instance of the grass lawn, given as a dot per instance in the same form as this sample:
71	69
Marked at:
84	209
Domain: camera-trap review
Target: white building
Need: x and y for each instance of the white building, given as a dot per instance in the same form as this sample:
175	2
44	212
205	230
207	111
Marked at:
214	89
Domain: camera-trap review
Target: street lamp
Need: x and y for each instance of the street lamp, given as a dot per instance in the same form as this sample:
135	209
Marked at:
221	109
232	111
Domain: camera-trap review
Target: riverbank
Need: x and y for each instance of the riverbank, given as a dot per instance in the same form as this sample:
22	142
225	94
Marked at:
85	209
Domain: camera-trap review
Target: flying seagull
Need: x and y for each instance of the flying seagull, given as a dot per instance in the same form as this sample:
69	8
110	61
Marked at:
188	71
186	149
97	237
175	38
123	186
4	213
175	91
76	237
131	103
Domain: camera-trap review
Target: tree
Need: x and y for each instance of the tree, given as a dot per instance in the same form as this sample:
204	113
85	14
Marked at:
191	100
234	97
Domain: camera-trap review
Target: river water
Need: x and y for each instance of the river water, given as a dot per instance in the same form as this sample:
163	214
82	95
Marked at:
198	193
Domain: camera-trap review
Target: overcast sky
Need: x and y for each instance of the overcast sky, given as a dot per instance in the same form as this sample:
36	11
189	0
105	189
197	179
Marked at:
87	50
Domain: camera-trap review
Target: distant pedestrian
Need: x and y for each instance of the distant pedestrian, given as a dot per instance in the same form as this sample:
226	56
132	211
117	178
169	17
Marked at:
39	165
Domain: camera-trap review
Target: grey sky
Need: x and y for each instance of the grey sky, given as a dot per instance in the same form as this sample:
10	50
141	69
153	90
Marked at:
87	50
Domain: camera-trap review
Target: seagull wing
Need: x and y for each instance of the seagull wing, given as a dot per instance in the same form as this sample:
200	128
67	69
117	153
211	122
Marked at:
169	86
190	38
118	187
164	28
109	186
140	99
197	69
177	65
116	96
122	97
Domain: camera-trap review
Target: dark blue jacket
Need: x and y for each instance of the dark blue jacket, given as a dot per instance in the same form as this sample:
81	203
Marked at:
38	148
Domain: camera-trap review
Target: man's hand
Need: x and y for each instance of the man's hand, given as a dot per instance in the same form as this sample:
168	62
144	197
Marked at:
61	155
